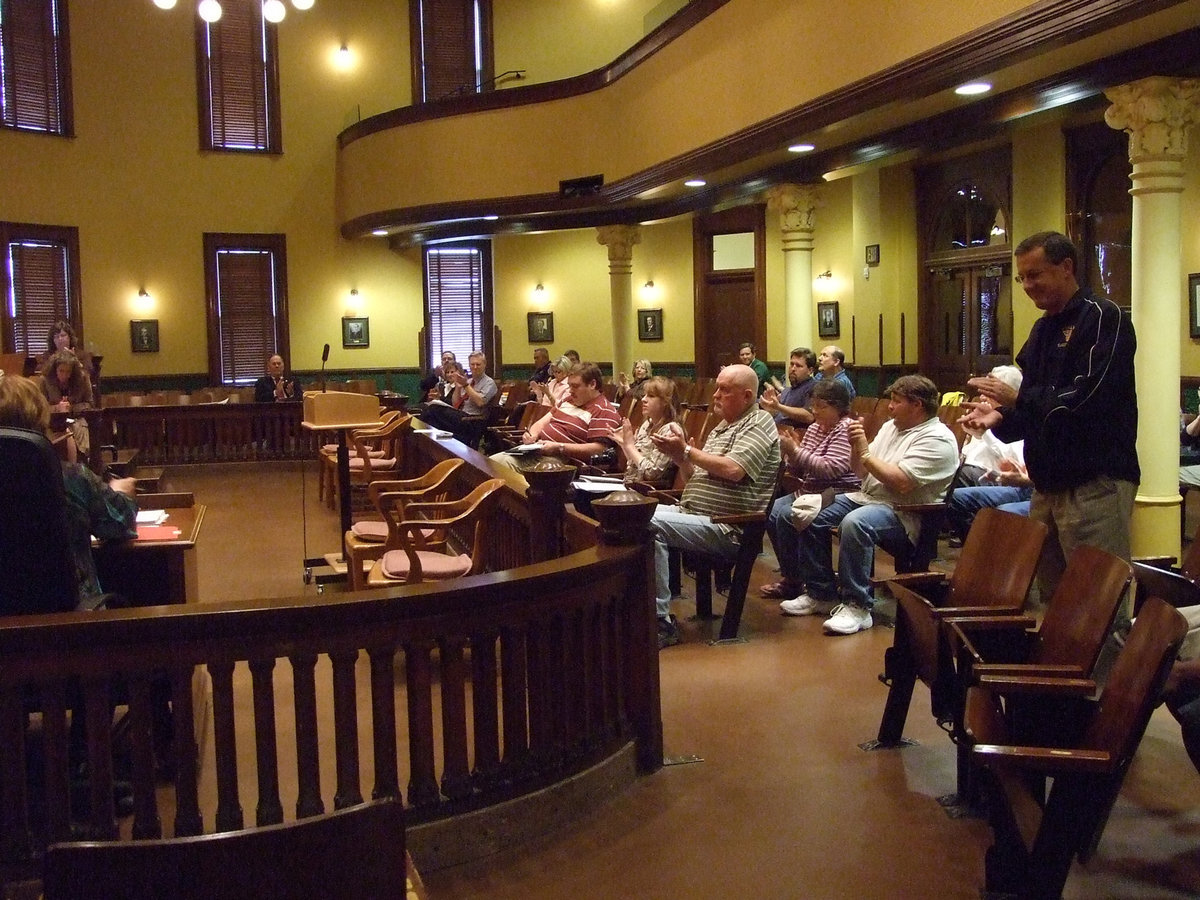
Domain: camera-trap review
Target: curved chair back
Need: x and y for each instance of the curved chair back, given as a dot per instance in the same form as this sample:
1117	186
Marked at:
1081	612
33	515
977	579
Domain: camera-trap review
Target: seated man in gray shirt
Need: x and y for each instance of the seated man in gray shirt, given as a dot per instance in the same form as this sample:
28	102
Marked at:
471	396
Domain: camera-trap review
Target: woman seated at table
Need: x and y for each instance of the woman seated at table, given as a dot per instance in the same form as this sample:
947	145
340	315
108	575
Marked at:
554	391
68	389
107	511
644	461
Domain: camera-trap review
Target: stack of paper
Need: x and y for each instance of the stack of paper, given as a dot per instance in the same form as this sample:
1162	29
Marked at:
151	516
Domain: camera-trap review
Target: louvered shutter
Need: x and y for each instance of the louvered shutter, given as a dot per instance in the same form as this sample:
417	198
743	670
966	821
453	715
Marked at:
34	78
455	291
239	85
246	310
41	293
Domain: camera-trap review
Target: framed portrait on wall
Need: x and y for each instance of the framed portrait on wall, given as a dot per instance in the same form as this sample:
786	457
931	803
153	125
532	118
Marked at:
829	322
356	331
650	326
143	335
541	327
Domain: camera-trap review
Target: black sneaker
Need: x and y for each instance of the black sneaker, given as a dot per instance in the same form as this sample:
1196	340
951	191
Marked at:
668	632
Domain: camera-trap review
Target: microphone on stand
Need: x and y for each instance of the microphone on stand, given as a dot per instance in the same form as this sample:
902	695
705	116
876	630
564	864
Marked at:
324	359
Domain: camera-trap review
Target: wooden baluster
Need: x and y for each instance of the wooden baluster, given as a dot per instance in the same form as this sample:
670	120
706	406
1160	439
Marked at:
383	720
308	760
513	672
187	801
15	843
146	823
57	761
345	727
456	774
229	808
485	708
539	647
422	782
270	809
98	714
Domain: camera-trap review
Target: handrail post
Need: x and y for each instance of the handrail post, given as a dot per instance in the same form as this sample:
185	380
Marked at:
624	518
548	483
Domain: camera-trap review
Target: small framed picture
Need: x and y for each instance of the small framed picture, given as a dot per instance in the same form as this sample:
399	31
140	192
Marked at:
1194	305
872	254
650	325
541	327
143	335
829	322
356	332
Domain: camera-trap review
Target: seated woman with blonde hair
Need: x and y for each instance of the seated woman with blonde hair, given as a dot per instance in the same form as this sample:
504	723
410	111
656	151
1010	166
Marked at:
642	372
107	511
555	391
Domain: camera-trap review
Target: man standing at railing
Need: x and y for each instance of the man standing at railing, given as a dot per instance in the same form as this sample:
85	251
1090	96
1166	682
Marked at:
275	386
734	473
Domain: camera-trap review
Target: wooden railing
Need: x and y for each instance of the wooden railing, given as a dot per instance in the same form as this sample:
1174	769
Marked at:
202	433
511	681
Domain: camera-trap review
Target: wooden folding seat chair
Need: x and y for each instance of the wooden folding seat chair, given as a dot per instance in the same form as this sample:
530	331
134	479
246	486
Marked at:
353	853
978	586
503	437
327	455
367	539
1073	631
1037	836
407	557
1171	585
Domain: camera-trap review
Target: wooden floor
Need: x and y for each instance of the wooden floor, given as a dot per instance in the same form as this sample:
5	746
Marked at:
782	803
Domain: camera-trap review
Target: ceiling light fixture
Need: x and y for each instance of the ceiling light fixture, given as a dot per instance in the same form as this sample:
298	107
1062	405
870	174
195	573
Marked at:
210	11
695	182
973	88
802	148
828	273
380	232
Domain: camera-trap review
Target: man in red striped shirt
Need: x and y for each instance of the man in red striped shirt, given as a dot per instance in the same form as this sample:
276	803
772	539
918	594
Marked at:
579	428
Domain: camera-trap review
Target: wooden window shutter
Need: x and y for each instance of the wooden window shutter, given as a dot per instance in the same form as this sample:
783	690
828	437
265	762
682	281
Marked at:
41	284
239	80
35	82
450	34
247	308
455	289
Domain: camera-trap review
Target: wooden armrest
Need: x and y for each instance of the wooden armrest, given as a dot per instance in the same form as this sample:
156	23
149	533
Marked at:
992	622
182	500
1028	670
948	613
1044	759
913	580
671	498
1048	685
789	483
741	519
1159	562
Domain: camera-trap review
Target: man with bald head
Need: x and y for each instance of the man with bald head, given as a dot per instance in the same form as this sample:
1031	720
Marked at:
734	473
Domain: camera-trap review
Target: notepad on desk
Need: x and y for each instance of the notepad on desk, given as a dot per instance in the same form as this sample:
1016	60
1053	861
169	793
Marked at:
151	516
434	433
157	533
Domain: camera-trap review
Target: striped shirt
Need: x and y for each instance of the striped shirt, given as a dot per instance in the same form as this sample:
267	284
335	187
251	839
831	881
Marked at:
569	424
823	458
753	442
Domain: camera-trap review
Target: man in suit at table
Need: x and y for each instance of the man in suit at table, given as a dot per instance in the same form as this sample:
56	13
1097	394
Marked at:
275	386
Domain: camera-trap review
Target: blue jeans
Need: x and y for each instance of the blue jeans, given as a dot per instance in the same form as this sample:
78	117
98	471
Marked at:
860	530
785	539
672	527
966	502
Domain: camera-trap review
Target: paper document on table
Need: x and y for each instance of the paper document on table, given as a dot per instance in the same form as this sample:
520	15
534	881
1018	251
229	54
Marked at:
598	487
603	479
525	448
434	432
151	516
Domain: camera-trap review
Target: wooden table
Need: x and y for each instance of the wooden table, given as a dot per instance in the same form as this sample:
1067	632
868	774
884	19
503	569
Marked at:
154	569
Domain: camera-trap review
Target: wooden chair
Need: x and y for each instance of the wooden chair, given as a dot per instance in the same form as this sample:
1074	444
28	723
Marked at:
354	853
503	437
1076	625
367	539
407	558
1171	585
374	453
1036	836
978	586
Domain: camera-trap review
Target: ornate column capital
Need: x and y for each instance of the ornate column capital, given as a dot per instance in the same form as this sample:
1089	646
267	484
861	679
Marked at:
796	204
1156	113
619	239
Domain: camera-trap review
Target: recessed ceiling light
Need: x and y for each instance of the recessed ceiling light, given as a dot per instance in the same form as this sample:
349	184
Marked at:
490	218
971	88
801	148
695	182
380	232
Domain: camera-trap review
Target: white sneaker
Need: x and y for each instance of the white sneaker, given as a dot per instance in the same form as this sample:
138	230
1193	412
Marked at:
847	618
805	605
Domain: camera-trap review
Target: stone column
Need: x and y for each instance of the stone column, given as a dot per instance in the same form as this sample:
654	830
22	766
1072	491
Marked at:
619	239
797	205
1156	113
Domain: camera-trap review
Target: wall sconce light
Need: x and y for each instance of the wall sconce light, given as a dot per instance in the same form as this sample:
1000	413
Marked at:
540	287
828	273
650	284
144	294
353	292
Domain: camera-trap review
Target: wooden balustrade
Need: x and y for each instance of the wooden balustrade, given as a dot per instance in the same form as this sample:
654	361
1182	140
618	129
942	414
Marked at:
202	433
480	690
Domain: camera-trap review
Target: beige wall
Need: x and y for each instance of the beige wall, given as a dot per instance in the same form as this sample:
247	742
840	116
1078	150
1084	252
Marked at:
551	39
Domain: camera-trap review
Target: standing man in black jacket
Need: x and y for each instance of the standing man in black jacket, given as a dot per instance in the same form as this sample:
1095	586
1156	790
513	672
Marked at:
1076	408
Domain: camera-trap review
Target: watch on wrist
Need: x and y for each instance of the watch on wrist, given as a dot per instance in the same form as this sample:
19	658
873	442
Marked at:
687	451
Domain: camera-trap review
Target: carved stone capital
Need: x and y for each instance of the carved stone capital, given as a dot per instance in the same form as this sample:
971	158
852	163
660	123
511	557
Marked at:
796	204
619	239
1156	113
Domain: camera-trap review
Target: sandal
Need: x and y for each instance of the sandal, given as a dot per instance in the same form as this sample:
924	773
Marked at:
779	590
